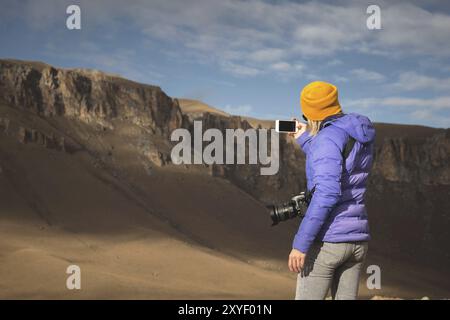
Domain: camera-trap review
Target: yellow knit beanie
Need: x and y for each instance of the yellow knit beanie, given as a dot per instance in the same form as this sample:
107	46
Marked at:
319	100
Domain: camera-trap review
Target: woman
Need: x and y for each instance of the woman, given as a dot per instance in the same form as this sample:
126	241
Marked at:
331	244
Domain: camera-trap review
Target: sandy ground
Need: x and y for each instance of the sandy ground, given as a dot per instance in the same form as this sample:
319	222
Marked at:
137	265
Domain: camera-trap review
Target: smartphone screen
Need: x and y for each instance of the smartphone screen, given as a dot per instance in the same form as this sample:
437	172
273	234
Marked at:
286	126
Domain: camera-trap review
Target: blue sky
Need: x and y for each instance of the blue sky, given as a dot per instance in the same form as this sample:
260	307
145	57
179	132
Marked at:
252	57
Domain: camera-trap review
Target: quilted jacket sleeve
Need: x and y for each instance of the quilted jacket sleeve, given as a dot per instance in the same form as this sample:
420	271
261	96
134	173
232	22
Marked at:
326	166
304	141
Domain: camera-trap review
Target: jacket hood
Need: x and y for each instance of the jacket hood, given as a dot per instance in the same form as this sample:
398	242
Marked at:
359	127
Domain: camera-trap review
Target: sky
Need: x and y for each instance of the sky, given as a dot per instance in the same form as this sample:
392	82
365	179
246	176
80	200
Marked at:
252	57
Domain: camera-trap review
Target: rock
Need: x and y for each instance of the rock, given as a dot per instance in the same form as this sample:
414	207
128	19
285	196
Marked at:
4	125
23	135
49	141
88	95
155	156
217	170
62	144
416	160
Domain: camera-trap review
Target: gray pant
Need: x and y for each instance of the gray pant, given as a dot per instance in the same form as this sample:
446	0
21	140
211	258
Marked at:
331	265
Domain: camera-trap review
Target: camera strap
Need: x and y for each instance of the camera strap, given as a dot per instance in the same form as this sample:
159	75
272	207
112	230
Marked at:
309	194
350	142
348	147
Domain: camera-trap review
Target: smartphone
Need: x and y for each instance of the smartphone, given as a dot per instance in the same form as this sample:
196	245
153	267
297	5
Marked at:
286	126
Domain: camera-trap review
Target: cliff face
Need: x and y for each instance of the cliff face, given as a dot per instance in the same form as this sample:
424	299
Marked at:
87	95
83	110
422	160
408	195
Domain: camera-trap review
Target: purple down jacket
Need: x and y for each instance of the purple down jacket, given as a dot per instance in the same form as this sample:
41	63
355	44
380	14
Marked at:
336	212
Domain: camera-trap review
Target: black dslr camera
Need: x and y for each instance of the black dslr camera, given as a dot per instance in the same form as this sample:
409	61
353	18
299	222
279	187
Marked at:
295	207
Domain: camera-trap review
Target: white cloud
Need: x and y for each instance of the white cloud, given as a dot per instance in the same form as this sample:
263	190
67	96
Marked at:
267	55
411	81
335	62
435	103
438	103
367	75
242	110
340	79
281	66
364	103
240	70
435	111
409	29
428	116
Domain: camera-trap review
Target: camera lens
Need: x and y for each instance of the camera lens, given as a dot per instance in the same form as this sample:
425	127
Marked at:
282	212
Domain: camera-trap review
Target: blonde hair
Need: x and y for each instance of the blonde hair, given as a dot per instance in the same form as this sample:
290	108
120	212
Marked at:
313	126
